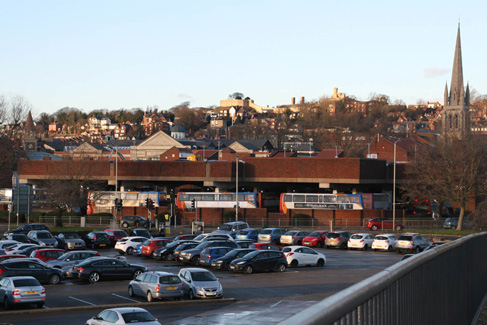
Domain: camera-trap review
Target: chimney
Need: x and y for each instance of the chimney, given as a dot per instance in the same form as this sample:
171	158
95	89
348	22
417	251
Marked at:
302	99
293	101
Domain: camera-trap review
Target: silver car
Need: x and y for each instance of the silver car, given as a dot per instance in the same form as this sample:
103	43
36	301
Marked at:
411	243
43	238
66	261
21	290
126	315
200	283
156	285
71	240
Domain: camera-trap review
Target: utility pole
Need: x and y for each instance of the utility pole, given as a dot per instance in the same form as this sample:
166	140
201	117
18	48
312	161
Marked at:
236	189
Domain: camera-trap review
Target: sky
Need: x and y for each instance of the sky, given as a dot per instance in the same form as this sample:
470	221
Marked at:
135	54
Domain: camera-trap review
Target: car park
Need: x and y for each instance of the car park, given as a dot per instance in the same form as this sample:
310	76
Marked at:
337	239
166	253
384	242
127	315
271	235
361	241
115	235
39	270
134	221
223	263
66	261
95	269
25	229
200	283
303	256
22	238
231	228
384	223
150	245
248	233
315	239
21	290
43	238
260	261
47	254
97	239
129	244
193	255
156	285
182	247
70	241
209	254
293	237
141	232
265	246
415	243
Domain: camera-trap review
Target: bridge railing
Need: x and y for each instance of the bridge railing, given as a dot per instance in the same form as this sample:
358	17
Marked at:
445	285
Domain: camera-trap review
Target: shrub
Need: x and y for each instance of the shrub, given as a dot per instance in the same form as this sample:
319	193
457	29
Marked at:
301	220
229	216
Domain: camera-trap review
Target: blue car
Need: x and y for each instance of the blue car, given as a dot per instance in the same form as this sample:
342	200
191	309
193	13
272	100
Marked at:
138	250
248	233
209	254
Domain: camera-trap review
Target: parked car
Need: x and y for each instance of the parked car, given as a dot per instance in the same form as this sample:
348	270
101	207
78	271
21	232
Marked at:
210	253
4	257
28	250
384	223
115	235
24	229
361	241
66	261
271	235
156	285
127	315
223	263
95	269
134	221
22	238
47	254
15	249
128	245
293	237
260	261
302	256
182	247
39	270
244	243
248	233
184	237
141	232
150	245
265	246
435	244
337	239
193	255
97	239
231	228
384	242
407	243
21	290
315	239
452	223
200	283
70	240
212	236
5	244
43	238
166	253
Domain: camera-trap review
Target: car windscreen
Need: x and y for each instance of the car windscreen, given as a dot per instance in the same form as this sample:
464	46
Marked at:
44	235
173	244
203	245
202	276
26	283
405	237
333	235
146	243
251	255
71	236
170	279
290	233
381	238
200	237
243	232
226	227
356	237
314	234
120	233
266	232
138	317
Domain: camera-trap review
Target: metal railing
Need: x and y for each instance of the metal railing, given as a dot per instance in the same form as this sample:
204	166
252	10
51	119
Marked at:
445	285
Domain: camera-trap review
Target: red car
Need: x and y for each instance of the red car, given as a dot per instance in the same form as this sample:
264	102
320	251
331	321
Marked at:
47	254
150	245
264	246
315	239
114	235
383	223
7	257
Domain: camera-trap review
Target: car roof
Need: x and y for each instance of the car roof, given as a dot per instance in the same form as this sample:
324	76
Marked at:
293	247
18	277
195	269
361	233
124	310
160	273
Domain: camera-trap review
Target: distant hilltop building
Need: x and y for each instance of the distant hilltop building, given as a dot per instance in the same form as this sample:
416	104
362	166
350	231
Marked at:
245	103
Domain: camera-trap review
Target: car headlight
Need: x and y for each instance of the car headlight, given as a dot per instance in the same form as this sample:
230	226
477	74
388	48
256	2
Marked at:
197	288
162	251
42	243
241	262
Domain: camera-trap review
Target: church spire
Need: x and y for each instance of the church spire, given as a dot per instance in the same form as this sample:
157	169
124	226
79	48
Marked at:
456	86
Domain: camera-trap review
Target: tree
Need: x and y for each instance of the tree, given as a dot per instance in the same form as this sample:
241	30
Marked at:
236	95
452	170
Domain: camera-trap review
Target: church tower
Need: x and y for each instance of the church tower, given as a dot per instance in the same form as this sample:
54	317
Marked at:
456	112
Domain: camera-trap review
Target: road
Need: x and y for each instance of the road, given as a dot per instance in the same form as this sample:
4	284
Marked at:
262	297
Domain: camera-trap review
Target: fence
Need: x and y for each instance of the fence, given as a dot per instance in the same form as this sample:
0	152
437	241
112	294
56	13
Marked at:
445	285
75	221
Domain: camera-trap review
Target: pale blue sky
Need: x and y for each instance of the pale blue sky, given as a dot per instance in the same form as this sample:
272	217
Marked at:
125	54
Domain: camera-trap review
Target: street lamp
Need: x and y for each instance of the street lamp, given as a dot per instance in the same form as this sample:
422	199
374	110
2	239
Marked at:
236	189
394	190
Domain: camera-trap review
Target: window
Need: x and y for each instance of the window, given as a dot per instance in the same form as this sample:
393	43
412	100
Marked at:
311	198
288	198
142	277
112	317
104	314
299	198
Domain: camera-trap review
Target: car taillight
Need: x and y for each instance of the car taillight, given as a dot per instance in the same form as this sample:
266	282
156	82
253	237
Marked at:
94	238
362	241
292	237
80	269
183	286
43	291
16	292
209	256
387	241
270	236
412	242
158	287
289	254
9	249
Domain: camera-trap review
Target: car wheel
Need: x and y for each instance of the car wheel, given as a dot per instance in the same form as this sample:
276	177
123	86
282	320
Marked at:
226	267
153	255
137	273
343	246
320	263
390	249
398	228
190	294
131	291
417	250
65	247
130	251
281	268
7	304
300	243
366	247
164	257
54	279
40	304
121	252
195	260
319	245
248	269
294	263
125	225
149	296
94	277
374	227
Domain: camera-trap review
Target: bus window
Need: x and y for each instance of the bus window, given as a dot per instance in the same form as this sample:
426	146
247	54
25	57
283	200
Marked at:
311	198
288	198
208	197
299	198
329	198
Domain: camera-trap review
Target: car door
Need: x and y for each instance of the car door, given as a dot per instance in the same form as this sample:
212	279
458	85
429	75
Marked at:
37	271
120	270
261	262
310	255
3	288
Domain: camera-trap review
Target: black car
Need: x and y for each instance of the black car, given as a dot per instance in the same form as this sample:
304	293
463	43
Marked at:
223	263
28	250
166	253
24	229
260	261
96	268
193	255
97	239
141	232
19	237
39	270
134	221
183	247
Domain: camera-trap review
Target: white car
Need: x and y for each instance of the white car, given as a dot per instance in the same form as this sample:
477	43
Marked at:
200	283
128	315
129	244
300	255
4	244
384	242
15	249
361	241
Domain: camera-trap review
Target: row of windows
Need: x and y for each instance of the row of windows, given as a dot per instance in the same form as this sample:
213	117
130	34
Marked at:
217	197
323	198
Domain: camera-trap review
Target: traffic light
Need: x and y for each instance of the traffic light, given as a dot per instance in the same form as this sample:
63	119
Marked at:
115	204
151	204
147	203
193	204
120	204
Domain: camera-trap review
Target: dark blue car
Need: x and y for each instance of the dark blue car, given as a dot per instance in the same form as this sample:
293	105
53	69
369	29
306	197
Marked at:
248	233
209	254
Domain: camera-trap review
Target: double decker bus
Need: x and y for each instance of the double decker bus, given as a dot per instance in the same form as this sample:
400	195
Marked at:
246	200
104	201
320	201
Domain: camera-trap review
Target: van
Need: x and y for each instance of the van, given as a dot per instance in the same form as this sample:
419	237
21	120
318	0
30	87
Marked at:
231	228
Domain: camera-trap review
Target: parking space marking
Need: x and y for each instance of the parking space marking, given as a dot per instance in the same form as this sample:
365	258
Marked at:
86	302
277	303
114	294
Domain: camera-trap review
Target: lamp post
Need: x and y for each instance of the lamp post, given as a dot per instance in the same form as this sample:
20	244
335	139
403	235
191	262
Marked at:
394	190
236	189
